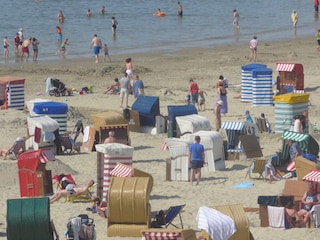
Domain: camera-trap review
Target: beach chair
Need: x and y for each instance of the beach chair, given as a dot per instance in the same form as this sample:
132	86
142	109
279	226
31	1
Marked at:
17	148
256	166
262	124
67	144
170	215
83	197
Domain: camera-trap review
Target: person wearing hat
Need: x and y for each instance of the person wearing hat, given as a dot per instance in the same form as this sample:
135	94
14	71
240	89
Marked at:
253	48
217	113
6	46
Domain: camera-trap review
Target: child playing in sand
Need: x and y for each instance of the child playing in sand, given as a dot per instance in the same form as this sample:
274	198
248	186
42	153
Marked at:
202	100
106	52
113	89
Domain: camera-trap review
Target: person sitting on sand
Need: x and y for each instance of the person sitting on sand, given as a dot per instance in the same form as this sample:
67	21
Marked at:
69	189
292	215
113	89
99	207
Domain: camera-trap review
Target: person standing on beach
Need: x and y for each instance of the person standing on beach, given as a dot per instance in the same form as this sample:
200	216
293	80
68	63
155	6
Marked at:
60	17
294	18
217	113
124	89
194	92
129	68
180	9
6	46
253	48
196	158
236	17
59	33
106	52
137	87
97	44
35	48
114	24
25	48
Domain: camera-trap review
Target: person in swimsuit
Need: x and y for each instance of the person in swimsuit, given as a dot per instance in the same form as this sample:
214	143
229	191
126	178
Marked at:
89	13
236	17
114	24
25	48
16	43
180	9
35	47
202	100
96	44
60	17
102	10
106	53
69	189
129	68
63	46
59	33
253	48
6	46
309	199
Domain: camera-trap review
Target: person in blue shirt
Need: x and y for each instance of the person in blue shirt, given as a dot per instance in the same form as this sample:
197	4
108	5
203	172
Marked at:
197	159
248	117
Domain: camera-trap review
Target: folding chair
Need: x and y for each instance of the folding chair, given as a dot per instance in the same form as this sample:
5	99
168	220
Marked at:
85	197
171	214
67	144
17	148
256	166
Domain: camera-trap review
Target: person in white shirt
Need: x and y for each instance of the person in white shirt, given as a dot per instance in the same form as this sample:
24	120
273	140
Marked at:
253	48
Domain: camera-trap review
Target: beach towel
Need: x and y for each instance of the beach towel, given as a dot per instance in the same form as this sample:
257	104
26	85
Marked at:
291	166
37	135
276	217
315	215
218	225
76	227
243	185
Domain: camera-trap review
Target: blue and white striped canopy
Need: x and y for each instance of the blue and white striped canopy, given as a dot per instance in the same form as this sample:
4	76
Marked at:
233	125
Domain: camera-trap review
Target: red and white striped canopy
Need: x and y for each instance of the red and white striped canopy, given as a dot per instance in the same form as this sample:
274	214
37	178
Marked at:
285	67
121	170
313	176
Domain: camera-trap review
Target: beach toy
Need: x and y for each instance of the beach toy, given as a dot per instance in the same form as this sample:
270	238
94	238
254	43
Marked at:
161	14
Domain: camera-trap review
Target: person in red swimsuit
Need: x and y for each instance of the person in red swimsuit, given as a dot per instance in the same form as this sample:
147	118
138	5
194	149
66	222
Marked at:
25	48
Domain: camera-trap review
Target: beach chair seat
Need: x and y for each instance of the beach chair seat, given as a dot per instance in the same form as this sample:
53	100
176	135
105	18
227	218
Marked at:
83	197
170	214
68	145
262	124
256	166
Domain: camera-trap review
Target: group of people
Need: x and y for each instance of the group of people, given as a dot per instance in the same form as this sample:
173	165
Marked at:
21	46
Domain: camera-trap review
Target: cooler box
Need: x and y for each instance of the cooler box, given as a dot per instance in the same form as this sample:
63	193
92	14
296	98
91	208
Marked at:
148	108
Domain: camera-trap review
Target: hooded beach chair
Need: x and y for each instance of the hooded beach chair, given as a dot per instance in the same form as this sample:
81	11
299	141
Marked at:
84	197
257	166
170	215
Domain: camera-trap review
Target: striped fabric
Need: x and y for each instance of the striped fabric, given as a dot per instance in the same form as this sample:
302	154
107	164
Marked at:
233	126
233	131
15	96
161	235
313	176
121	170
291	166
285	67
297	137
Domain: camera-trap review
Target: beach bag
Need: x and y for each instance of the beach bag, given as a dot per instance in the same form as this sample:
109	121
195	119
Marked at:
87	228
158	220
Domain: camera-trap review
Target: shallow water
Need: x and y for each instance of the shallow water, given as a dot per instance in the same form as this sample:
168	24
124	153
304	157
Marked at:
204	23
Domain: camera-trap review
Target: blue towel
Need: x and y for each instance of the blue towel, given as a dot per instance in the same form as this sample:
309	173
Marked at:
243	185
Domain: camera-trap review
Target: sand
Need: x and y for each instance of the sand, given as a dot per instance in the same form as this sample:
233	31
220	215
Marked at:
165	74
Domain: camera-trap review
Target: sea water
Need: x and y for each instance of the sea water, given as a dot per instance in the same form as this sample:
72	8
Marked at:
205	23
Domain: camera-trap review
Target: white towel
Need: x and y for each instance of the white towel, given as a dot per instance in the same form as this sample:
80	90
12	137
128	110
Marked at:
48	137
76	227
86	134
315	215
218	225
276	216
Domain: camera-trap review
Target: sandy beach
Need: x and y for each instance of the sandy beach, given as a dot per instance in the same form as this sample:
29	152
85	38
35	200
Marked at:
165	74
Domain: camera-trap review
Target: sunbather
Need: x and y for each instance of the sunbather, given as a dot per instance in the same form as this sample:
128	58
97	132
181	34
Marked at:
99	207
19	148
69	189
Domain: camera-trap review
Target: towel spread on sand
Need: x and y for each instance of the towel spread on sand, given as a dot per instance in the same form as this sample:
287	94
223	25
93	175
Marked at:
218	225
276	217
244	185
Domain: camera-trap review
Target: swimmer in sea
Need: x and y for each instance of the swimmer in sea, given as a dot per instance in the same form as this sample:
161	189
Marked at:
60	17
102	10
180	9
96	44
6	45
236	17
114	24
89	13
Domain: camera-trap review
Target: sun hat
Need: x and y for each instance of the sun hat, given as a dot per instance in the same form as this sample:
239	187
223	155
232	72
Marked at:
220	102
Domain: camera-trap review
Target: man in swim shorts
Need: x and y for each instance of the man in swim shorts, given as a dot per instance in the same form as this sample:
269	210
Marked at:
25	48
59	33
97	44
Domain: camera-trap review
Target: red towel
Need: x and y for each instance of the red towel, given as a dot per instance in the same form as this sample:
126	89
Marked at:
37	135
